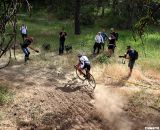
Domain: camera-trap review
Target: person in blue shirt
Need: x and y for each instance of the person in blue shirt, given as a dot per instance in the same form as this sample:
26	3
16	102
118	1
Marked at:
105	37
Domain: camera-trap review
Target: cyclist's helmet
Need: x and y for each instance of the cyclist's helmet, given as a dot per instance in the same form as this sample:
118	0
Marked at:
79	55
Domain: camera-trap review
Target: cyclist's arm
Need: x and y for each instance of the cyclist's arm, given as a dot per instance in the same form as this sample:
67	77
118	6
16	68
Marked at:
82	64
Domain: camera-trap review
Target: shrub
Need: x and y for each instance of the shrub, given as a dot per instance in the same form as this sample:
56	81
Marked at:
103	59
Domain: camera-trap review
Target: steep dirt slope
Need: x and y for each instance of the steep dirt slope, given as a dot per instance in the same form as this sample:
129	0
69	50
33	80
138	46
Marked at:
47	96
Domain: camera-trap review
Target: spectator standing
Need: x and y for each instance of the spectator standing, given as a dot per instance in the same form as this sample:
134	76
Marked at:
115	34
111	45
98	41
62	37
25	45
132	56
23	31
105	37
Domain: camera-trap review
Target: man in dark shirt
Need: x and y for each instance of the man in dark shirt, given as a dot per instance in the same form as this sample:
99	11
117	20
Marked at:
111	45
115	34
130	55
25	45
62	37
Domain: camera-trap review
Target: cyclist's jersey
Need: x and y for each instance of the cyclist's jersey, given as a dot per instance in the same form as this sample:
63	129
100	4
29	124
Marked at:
84	60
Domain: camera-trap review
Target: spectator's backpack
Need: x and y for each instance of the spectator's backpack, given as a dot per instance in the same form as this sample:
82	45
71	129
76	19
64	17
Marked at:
134	55
116	35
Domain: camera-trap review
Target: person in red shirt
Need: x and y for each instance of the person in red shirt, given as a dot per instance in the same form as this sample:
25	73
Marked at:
25	45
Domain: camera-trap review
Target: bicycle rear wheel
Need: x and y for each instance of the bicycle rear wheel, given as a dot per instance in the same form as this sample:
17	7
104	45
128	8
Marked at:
5	58
80	76
92	82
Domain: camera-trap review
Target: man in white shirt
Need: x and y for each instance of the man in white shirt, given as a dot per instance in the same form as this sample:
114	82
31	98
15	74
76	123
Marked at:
98	41
23	30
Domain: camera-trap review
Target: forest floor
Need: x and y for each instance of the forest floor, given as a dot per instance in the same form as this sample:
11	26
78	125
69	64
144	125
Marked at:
48	96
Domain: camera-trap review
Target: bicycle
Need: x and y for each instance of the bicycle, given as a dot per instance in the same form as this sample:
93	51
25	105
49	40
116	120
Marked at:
82	76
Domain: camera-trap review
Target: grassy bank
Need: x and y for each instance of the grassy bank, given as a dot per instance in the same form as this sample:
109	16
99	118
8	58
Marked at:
5	95
46	30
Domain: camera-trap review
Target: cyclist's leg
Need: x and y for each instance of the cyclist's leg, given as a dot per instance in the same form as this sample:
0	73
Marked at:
88	67
79	69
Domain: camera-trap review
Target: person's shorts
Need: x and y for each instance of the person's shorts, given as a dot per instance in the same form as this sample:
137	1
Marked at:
110	46
131	64
87	66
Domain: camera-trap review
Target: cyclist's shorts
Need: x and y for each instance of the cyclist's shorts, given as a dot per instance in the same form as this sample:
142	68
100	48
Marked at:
87	66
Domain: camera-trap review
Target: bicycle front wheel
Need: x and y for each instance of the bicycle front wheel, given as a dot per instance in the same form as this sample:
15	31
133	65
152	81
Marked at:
80	76
92	82
5	58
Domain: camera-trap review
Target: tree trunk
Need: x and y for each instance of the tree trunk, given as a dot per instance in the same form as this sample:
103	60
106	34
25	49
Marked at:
77	17
102	14
114	6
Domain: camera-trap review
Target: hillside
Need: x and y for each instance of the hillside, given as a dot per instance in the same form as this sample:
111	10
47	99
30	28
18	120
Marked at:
40	88
48	96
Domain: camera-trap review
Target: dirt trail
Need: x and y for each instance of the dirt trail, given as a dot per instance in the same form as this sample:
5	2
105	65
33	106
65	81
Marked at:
49	97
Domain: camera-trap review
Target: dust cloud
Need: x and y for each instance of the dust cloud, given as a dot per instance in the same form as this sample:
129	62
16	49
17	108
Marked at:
109	106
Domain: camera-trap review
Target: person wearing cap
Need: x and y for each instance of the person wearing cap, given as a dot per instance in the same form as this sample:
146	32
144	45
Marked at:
98	42
111	45
115	34
112	41
25	45
83	63
130	54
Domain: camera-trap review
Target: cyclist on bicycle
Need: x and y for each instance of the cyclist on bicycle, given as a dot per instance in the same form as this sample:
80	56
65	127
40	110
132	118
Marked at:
84	63
25	45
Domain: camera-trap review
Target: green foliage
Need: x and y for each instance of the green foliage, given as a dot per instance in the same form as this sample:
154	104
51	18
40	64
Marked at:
5	95
87	15
45	31
103	59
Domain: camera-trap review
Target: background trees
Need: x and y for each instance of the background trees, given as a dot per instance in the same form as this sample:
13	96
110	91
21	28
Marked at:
111	13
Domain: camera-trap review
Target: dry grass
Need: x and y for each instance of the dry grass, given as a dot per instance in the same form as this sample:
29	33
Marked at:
115	71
